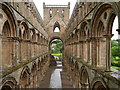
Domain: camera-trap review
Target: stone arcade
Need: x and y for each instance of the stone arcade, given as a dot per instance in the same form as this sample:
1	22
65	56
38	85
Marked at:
25	38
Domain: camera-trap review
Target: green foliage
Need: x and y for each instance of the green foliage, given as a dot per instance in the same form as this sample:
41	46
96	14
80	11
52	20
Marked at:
115	49
57	48
115	63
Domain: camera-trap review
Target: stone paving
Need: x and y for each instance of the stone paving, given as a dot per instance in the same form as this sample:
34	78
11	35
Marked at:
65	82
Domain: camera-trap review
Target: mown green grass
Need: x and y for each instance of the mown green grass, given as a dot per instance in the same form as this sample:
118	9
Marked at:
115	61
56	54
115	67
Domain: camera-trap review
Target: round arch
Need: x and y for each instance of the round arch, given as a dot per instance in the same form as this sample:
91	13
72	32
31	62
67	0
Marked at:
53	39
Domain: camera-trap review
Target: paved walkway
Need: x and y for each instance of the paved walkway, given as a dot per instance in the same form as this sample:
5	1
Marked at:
55	79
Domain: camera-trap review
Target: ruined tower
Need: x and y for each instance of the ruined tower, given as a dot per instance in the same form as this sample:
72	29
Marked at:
56	16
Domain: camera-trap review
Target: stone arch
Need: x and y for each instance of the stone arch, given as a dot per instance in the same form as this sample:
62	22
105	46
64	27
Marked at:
98	13
6	32
33	35
84	78
25	78
100	29
11	19
34	75
99	84
38	37
56	25
104	16
85	38
76	74
24	29
85	29
9	83
8	86
24	35
6	45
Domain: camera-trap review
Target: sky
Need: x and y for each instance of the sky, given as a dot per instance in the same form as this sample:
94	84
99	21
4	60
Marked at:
39	5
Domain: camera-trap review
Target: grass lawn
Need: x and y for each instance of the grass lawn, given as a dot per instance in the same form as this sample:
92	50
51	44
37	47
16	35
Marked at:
115	61
115	67
57	54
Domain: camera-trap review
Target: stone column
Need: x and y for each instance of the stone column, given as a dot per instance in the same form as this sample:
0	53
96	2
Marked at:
78	50
94	53
1	57
97	52
108	51
88	50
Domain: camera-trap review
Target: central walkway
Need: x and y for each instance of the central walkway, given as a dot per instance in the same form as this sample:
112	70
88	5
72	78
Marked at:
55	81
55	77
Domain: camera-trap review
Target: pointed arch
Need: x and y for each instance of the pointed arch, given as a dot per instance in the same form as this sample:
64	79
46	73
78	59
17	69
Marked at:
56	27
11	18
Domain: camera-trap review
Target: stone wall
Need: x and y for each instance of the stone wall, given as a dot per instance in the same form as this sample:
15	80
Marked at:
24	50
88	36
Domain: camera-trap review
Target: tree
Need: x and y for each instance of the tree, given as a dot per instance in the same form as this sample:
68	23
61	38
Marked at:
58	47
115	48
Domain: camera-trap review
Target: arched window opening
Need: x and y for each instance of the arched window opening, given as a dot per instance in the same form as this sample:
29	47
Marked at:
63	12
56	27
57	10
115	46
50	12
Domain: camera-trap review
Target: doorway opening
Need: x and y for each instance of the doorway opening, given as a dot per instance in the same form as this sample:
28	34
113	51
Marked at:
56	47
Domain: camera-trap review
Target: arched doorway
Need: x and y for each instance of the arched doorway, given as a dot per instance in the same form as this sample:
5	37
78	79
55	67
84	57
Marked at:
56	47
